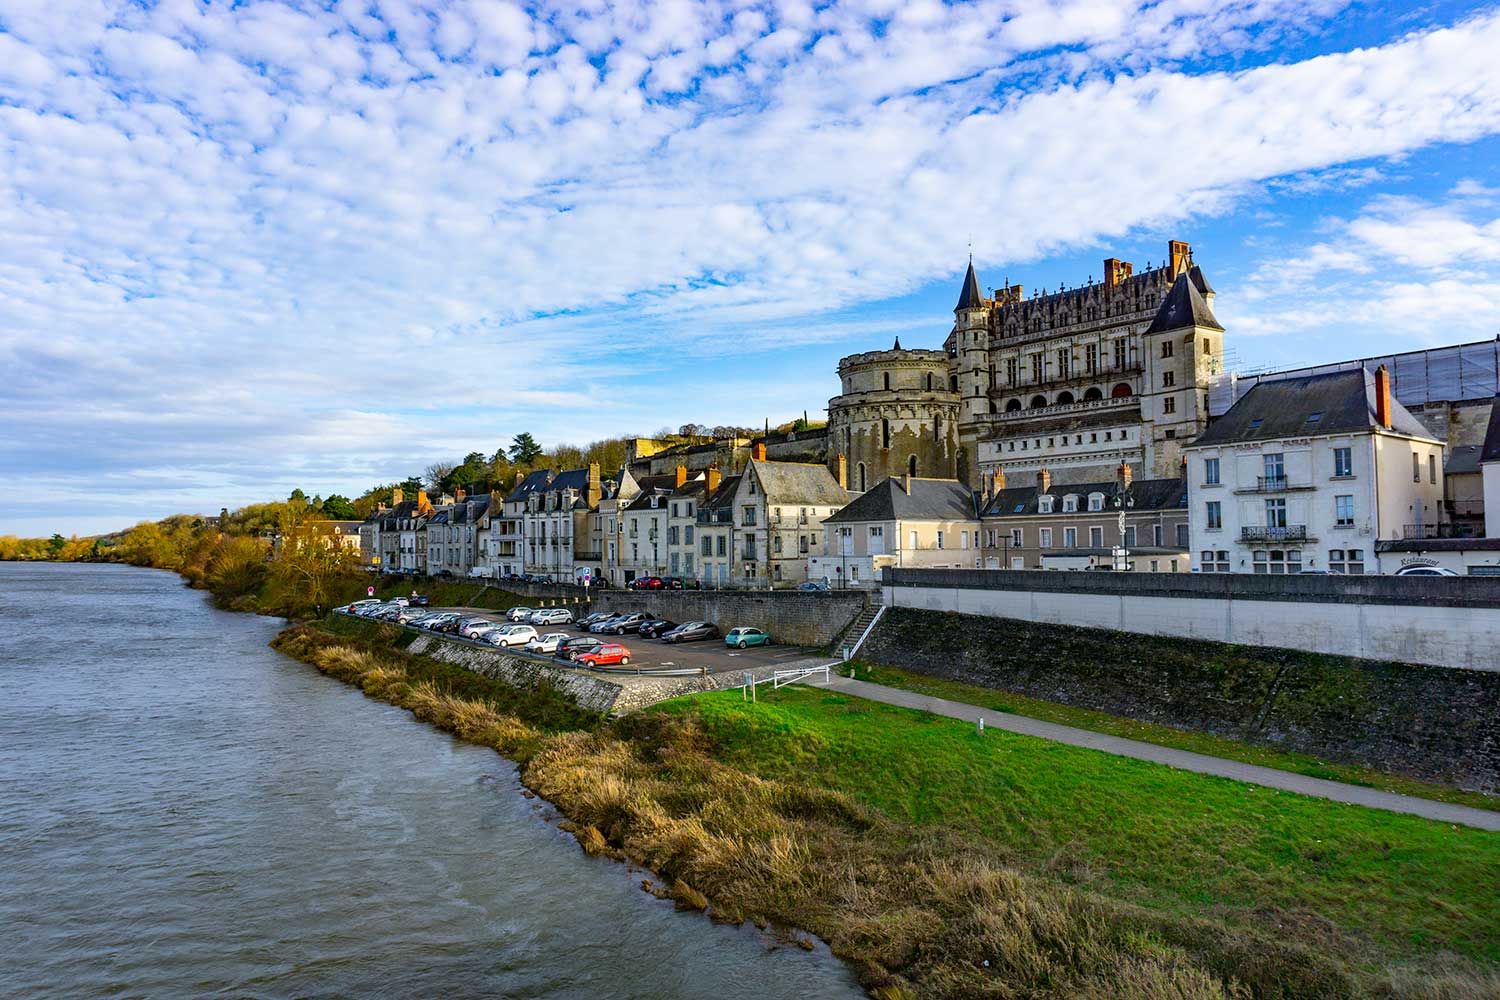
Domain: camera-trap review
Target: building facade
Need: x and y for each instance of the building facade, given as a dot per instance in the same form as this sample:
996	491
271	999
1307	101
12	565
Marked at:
895	415
902	522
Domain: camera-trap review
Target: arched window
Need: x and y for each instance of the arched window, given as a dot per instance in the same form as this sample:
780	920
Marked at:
885	433
953	383
1121	391
1012	406
888	381
911	465
1038	401
1093	392
992	406
1064	397
861	477
929	381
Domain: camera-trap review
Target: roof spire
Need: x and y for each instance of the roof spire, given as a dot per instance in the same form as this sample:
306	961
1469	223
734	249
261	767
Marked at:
970	298
897	345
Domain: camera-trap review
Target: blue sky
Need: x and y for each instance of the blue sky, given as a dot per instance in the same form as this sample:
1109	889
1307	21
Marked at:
261	246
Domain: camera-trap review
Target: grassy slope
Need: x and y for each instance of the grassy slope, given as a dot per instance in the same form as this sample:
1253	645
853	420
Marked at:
1384	884
1149	732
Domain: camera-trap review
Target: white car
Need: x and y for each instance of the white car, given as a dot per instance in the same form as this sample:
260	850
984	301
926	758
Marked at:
511	635
474	630
546	643
551	616
1424	571
517	614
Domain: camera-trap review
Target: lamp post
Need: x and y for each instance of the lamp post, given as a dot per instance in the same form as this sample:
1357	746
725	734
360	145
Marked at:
1123	501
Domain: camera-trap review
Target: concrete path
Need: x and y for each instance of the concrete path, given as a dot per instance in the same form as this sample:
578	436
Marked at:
1185	760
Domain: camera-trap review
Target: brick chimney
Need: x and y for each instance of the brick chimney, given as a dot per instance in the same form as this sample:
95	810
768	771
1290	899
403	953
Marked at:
906	482
713	480
759	452
1116	271
681	477
459	494
519	476
997	480
1124	476
423	504
842	472
397	497
1043	481
1177	257
596	489
1383	397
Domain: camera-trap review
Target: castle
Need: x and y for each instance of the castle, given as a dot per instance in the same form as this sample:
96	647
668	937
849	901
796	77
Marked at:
1075	381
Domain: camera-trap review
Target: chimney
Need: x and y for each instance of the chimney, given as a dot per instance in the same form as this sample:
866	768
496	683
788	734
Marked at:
759	454
1043	481
424	506
713	480
1124	476
1177	257
843	472
1383	397
397	497
519	476
596	490
459	494
906	482
1116	271
997	480
681	476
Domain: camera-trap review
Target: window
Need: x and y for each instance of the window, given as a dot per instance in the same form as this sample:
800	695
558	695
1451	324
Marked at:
776	571
861	470
1211	472
1349	561
1431	468
802	544
1166	348
877	531
1010	374
1096	537
1276	513
1120	353
1070	503
888	381
1169	405
1096	501
1168	378
1211	561
963	539
1015	537
1214	514
885	433
1343	463
939	539
911	466
1277	562
1130	537
1182	535
707	546
776	544
1274	468
1416	467
1044	537
1091	358
721	547
749	519
1343	511
1064	362
1036	367
1156	535
1070	538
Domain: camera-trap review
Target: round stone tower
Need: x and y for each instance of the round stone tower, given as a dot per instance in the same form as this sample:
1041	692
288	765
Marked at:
896	415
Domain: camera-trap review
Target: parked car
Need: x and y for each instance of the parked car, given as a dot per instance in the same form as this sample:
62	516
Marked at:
511	635
547	643
408	615
691	632
517	613
417	600
569	649
652	628
594	619
746	635
371	610
365	602
1424	571
606	654
622	624
470	628
647	583
551	616
813	585
482	632
604	623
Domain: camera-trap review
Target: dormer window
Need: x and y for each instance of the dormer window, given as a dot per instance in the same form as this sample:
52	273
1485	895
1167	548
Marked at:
1044	504
1096	501
1070	503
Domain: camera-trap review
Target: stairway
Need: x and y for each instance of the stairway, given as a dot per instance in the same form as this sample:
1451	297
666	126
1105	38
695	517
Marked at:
857	627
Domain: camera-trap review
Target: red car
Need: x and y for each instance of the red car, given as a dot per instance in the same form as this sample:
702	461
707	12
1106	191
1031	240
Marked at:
648	583
605	654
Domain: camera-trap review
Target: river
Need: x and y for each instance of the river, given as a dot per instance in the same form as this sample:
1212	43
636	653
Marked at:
186	812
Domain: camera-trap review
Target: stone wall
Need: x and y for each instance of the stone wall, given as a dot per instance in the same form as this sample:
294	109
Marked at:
1431	723
793	617
1439	621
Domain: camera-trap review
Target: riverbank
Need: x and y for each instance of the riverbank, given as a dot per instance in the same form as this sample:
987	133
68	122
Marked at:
941	866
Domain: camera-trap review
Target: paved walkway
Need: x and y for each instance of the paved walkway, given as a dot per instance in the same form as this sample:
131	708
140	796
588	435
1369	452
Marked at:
1185	760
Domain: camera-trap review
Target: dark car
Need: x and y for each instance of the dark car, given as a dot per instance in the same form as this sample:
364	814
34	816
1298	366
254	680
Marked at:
653	628
691	632
647	583
624	623
417	600
594	619
570	649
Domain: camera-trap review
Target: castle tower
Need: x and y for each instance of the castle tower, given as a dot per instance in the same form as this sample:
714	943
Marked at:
1182	348
971	369
896	415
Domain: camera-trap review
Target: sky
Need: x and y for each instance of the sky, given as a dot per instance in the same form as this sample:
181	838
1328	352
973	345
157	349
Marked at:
252	247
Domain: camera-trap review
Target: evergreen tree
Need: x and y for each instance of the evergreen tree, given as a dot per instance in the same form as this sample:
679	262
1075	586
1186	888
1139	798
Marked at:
524	450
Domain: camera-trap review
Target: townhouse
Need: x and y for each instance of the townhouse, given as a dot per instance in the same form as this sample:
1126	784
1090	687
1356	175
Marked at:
776	520
901	522
457	535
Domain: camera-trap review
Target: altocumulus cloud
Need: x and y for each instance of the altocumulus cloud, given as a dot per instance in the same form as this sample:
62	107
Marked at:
256	246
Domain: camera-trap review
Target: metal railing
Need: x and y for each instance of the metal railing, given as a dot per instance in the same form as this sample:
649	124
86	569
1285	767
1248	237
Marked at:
1440	531
1289	533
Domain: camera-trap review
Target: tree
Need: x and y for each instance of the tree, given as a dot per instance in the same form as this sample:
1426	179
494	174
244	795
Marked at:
438	474
411	486
524	450
56	544
297	497
339	508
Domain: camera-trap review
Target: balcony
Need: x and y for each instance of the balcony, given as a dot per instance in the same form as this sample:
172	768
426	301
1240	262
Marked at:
1273	484
1080	406
1419	531
1289	533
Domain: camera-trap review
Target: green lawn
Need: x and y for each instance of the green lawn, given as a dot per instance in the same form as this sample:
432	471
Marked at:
1380	884
1150	732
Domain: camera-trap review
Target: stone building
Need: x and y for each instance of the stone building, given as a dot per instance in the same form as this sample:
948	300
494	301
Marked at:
896	415
904	522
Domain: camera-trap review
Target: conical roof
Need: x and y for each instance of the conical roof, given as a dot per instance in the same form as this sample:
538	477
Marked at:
970	297
1184	306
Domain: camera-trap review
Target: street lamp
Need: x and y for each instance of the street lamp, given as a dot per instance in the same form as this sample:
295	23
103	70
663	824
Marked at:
1124	502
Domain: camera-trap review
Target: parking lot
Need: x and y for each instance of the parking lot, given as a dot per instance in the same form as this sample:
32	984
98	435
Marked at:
711	654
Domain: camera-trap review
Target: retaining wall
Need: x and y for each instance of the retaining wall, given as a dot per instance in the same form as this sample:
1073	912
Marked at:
1437	621
1432	723
793	617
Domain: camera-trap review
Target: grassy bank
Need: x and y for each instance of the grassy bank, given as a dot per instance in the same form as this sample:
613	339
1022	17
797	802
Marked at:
1167	736
945	866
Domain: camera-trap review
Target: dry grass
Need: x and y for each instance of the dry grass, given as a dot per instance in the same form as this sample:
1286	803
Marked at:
916	914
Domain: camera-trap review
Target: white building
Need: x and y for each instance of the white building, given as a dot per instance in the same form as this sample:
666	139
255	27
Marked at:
1307	474
901	522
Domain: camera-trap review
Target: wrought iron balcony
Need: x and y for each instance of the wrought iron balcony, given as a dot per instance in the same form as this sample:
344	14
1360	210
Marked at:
1440	531
1262	533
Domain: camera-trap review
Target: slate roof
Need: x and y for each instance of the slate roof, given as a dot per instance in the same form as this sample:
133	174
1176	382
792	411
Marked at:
642	500
1463	459
572	479
1490	450
1147	494
533	482
1196	273
1184	306
929	500
970	297
795	482
1344	402
724	495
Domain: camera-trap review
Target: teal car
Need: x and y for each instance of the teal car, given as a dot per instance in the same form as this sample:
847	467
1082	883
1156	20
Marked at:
744	636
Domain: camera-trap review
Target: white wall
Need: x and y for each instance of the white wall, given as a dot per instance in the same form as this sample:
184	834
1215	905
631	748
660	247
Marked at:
1491	499
1439	636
